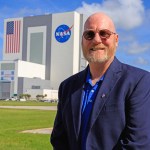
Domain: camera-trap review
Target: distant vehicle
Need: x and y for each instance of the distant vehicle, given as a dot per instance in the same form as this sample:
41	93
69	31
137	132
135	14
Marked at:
49	100
11	99
53	101
22	99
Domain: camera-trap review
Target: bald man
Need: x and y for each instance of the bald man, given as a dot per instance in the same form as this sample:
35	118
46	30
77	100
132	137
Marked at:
107	105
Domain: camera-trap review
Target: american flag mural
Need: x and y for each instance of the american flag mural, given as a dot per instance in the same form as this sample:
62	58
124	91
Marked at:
13	36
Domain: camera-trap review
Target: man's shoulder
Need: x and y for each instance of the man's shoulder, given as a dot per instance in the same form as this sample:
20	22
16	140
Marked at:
128	68
134	70
129	71
134	74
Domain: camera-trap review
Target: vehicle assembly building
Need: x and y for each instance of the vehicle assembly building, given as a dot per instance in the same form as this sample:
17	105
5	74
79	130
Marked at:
39	52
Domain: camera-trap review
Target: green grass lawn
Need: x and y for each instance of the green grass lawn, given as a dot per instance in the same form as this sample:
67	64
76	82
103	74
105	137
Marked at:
13	121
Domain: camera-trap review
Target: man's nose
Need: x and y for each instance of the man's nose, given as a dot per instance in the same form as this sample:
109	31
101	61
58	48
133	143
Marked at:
97	39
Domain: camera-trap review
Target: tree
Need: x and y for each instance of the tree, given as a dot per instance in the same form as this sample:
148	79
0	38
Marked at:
25	96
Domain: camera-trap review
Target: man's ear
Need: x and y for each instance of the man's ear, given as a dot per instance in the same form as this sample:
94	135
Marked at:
117	39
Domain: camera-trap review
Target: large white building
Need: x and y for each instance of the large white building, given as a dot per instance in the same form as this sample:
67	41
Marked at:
39	52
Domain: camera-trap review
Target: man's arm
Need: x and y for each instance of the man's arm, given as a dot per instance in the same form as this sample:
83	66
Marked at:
136	135
59	139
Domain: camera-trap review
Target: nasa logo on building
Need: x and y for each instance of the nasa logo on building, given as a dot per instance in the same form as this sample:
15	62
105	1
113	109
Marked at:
63	33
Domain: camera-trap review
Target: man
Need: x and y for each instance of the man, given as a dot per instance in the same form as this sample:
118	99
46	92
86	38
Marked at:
107	105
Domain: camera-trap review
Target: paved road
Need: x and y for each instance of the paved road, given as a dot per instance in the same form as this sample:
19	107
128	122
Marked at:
31	107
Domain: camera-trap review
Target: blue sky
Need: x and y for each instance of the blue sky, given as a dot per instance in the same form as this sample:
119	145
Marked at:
132	19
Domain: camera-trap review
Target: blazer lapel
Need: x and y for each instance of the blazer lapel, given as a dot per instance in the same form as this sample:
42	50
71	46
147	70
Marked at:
111	77
76	101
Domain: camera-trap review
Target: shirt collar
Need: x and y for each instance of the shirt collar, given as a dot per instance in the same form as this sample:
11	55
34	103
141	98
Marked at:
89	80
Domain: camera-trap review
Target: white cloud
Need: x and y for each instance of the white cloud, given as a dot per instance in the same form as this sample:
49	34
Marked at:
141	61
126	36
136	48
126	14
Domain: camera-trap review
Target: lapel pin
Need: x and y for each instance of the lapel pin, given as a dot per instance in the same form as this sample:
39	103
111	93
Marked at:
103	95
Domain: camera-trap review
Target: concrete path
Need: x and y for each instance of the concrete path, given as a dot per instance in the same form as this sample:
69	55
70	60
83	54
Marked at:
38	131
31	107
34	131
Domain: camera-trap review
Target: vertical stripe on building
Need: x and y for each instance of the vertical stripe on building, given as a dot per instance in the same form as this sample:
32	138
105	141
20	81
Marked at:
13	36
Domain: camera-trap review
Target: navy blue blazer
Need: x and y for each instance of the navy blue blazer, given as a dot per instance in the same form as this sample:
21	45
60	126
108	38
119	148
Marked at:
120	118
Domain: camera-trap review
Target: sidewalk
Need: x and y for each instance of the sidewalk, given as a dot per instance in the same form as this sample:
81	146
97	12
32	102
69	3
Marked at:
31	107
39	131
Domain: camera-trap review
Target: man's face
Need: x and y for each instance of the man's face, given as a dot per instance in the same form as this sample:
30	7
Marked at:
99	49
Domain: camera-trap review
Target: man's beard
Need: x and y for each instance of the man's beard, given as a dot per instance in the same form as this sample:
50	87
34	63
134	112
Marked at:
91	58
95	58
98	57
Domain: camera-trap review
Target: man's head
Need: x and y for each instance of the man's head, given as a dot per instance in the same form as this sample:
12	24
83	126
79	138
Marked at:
99	40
